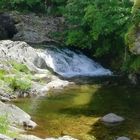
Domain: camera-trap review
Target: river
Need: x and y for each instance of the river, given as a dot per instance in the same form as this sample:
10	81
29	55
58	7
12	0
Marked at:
75	111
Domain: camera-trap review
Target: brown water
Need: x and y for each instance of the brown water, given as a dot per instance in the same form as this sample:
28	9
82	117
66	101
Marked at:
76	110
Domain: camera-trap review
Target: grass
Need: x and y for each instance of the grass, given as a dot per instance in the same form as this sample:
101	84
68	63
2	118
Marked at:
4	125
18	83
20	67
18	78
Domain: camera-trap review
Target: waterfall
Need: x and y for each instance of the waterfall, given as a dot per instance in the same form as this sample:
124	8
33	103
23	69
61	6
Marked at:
70	64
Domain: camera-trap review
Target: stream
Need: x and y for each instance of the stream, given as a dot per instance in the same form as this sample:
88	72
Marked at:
75	111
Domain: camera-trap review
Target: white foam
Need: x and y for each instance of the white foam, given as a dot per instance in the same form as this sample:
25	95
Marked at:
69	64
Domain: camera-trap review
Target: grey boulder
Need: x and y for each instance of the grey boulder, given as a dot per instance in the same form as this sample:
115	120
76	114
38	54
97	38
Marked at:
112	118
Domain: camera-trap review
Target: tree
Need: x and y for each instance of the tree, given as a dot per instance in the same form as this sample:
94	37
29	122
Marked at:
97	25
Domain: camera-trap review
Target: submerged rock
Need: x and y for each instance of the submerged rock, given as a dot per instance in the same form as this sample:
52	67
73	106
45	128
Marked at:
123	138
112	119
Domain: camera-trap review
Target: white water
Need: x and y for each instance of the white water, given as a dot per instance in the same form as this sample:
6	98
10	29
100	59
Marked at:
69	64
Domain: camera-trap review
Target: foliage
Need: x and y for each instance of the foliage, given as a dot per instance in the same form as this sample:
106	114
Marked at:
97	25
132	64
45	6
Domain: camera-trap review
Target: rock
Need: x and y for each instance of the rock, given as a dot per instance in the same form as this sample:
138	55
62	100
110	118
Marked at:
20	52
28	137
4	99
15	129
37	29
133	78
123	138
57	83
23	53
7	26
112	118
3	137
15	115
32	137
62	138
40	63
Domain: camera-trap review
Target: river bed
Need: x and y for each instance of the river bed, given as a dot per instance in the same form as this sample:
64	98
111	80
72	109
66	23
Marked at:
75	111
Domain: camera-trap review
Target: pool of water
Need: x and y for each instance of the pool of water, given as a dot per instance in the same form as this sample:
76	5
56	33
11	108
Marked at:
76	110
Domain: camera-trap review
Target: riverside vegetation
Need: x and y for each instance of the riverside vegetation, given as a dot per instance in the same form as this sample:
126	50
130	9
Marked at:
105	30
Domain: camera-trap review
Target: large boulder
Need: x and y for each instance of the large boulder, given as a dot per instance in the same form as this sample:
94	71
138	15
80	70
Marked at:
7	26
16	116
18	51
34	28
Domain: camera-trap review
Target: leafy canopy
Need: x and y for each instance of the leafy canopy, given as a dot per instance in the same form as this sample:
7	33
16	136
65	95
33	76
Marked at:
97	24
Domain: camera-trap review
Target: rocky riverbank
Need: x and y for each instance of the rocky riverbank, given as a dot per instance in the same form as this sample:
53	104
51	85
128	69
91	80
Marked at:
20	76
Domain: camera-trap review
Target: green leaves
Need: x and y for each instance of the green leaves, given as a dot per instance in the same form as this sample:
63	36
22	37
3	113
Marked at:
93	23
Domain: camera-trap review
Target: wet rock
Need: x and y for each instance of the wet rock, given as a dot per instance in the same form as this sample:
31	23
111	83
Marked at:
40	63
123	138
112	119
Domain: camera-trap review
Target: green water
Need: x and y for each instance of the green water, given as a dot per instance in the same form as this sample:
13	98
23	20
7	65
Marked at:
76	110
